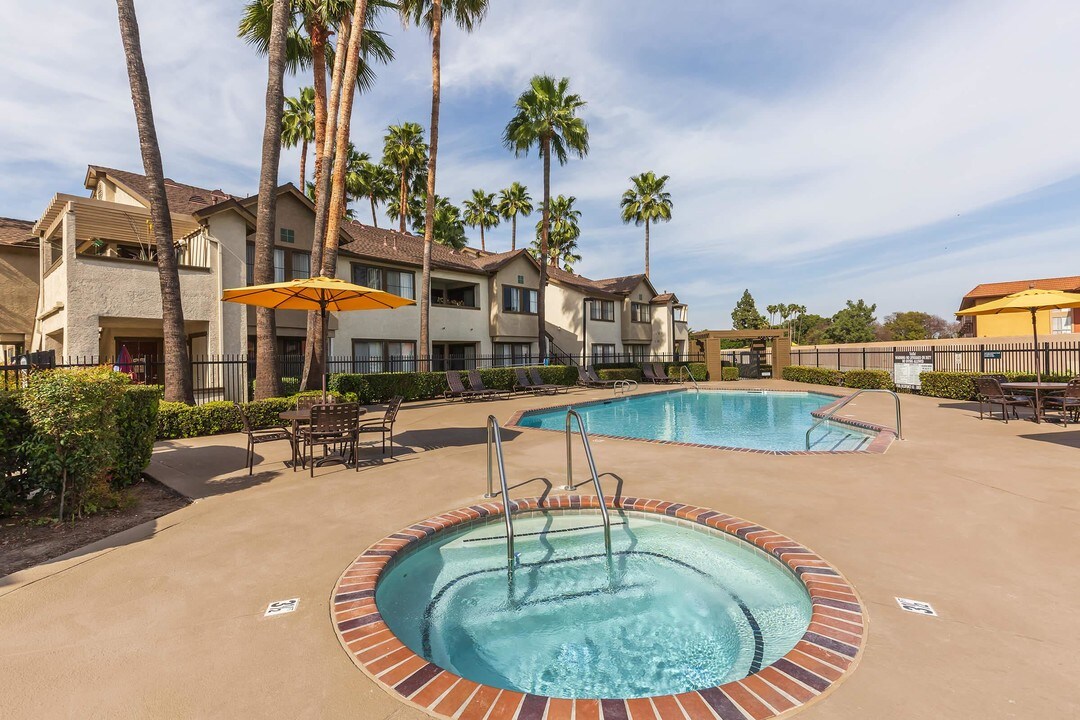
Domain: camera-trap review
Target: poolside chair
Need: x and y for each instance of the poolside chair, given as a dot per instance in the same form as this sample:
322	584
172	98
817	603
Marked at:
649	373
1067	403
587	378
989	392
385	424
305	402
332	425
538	381
457	387
477	384
259	435
661	374
525	384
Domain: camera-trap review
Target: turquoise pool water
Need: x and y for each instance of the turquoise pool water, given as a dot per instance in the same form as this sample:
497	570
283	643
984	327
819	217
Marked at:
727	418
676	608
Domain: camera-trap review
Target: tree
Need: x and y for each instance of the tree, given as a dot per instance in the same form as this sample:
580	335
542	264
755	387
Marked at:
298	126
646	202
449	224
467	14
178	386
267	378
480	211
564	234
413	209
367	180
915	325
405	153
772	309
745	316
547	120
514	201
853	323
810	329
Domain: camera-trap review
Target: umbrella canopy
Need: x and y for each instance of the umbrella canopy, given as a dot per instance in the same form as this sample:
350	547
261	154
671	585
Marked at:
318	293
1031	301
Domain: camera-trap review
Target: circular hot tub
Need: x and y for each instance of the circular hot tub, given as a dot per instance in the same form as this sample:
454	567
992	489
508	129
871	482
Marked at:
690	606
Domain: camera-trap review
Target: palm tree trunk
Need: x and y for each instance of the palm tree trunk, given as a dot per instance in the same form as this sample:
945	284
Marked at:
646	247
483	248
303	166
513	232
545	229
433	152
267	378
177	360
318	34
403	198
311	378
374	220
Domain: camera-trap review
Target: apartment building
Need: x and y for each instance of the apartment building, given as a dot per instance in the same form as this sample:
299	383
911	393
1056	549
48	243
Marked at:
1048	322
97	290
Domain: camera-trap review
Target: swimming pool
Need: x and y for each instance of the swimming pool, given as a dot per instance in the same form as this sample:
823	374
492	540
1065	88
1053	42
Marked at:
757	420
676	609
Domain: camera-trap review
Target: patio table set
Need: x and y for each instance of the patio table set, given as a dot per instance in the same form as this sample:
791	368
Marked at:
1038	396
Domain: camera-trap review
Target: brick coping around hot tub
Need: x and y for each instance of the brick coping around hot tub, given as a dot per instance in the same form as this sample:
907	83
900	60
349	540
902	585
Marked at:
827	652
881	442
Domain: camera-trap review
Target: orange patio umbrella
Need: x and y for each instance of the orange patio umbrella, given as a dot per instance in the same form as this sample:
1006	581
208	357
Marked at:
1031	300
318	293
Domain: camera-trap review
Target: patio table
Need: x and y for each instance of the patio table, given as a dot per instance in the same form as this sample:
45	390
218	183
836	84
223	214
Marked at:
296	417
1039	389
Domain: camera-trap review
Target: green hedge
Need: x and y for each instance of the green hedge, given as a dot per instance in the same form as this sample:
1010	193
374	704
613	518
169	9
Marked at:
729	373
634	374
177	420
380	387
697	370
868	380
15	429
812	375
136	416
961	385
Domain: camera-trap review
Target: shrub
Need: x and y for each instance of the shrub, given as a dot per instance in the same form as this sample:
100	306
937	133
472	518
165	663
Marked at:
697	370
813	375
177	420
75	438
137	418
15	429
634	374
289	386
869	379
729	373
961	385
380	387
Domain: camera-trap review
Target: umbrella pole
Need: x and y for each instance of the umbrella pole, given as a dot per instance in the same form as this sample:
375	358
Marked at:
1035	334
325	351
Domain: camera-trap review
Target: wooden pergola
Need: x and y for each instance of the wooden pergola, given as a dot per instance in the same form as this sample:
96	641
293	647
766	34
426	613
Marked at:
779	339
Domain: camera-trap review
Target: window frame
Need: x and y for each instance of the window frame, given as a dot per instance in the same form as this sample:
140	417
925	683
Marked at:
598	316
383	279
524	295
289	233
603	357
636	312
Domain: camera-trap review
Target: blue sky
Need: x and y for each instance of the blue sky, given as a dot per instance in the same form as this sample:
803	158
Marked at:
896	152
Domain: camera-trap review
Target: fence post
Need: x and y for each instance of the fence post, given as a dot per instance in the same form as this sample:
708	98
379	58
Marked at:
837	358
982	358
817	357
864	358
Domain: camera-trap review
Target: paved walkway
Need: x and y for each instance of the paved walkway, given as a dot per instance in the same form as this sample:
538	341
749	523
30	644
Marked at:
166	620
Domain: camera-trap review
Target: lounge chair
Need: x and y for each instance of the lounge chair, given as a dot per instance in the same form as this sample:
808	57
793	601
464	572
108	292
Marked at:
261	435
649	373
525	384
1067	403
477	384
538	381
385	424
587	378
458	389
661	374
989	392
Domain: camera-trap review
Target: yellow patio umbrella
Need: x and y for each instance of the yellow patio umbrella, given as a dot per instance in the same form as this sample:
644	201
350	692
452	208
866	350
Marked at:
1031	300
318	293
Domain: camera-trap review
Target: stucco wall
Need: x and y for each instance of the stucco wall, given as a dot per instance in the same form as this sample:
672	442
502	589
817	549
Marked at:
512	327
18	290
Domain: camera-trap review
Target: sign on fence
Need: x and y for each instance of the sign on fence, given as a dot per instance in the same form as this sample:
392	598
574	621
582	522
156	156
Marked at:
991	354
907	364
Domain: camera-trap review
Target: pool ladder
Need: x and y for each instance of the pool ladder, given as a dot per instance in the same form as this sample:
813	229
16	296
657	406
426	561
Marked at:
690	374
495	452
828	416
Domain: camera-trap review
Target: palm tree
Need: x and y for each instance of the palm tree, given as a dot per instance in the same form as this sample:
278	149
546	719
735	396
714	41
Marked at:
647	202
298	126
772	310
467	14
178	386
404	152
547	120
514	201
565	231
480	212
413	209
365	179
449	224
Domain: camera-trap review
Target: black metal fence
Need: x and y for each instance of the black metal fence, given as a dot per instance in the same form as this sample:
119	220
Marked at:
231	377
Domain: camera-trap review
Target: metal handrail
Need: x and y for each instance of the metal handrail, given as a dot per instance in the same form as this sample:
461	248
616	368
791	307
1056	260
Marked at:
494	441
625	385
691	374
827	416
570	414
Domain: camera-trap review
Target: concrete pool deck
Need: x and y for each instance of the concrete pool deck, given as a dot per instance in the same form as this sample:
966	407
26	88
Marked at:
166	620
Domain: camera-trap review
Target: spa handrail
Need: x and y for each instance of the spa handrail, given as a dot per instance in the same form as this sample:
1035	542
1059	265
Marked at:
849	398
494	441
689	373
571	414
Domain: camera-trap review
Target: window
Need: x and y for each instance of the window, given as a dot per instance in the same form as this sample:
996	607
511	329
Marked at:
250	264
680	313
453	294
602	310
288	236
637	352
603	353
640	312
301	265
509	354
371	356
519	300
1061	323
279	266
398	282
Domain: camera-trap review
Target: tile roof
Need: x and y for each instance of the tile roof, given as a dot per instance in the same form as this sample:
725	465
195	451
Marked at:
393	246
1000	289
664	297
17	232
184	199
621	285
